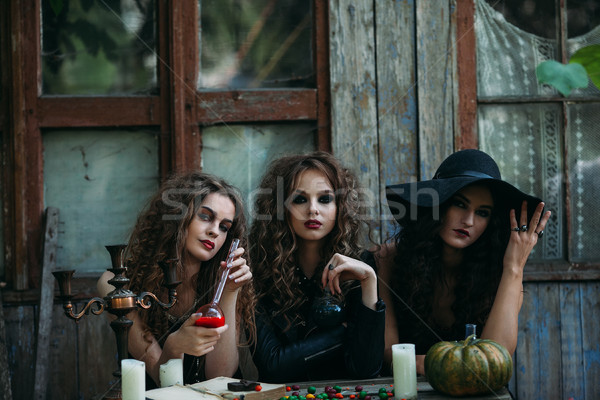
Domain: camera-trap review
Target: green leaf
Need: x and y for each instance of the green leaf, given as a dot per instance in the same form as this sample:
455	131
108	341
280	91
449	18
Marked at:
589	57
57	6
562	77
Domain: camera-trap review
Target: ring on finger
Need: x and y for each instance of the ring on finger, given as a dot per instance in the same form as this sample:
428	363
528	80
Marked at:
540	233
331	267
517	229
523	228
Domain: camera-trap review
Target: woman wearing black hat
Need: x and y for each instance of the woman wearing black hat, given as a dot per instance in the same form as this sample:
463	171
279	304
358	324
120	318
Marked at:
459	255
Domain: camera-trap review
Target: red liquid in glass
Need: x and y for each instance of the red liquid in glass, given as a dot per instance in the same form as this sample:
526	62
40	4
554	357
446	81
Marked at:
210	322
211	315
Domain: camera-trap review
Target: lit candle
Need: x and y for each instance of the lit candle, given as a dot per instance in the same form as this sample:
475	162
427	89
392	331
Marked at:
133	379
405	371
171	373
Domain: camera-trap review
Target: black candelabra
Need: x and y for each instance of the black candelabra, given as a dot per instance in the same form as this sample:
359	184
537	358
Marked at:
120	301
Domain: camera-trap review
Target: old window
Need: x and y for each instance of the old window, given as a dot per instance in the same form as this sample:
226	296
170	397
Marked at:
542	141
112	96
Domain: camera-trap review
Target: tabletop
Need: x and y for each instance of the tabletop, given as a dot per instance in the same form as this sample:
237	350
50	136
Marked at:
372	387
217	388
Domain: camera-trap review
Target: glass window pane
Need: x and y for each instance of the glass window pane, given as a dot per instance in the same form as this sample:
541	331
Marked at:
584	181
507	56
98	47
533	16
99	181
582	16
256	43
240	153
525	141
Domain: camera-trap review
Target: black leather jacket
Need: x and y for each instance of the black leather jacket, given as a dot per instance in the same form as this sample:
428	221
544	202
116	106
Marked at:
302	353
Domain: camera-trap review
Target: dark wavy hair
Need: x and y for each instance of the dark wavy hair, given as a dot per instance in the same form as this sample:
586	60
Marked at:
418	267
160	234
273	243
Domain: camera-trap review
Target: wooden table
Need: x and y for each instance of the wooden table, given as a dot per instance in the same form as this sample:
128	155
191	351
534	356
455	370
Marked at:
372	386
216	388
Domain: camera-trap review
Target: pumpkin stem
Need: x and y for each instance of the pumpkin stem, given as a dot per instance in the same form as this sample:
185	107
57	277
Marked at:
470	339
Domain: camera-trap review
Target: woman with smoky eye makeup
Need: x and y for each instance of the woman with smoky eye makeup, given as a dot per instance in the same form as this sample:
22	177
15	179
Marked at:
458	257
298	255
193	217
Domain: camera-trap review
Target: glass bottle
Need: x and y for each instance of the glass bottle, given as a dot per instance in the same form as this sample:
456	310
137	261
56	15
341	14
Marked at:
327	310
470	329
211	315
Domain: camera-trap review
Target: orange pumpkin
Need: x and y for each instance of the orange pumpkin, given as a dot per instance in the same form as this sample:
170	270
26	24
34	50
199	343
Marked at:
472	366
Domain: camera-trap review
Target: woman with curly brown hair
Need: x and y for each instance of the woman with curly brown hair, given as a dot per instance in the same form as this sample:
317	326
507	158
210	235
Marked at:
305	238
193	217
458	257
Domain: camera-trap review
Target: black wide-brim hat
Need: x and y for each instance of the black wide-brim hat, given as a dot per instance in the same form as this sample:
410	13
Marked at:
460	169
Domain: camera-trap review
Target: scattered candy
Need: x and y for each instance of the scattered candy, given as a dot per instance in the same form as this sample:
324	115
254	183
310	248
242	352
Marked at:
258	388
358	388
296	387
312	390
287	388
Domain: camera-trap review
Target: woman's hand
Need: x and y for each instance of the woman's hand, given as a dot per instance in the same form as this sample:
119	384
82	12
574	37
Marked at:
239	273
194	340
341	268
522	237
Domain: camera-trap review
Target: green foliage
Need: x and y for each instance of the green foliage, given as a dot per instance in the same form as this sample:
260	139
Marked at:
563	78
589	57
57	6
566	77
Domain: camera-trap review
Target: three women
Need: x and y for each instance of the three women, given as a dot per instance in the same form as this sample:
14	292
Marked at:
458	258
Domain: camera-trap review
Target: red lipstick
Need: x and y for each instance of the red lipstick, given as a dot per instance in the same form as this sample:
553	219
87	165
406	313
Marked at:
312	224
208	244
462	232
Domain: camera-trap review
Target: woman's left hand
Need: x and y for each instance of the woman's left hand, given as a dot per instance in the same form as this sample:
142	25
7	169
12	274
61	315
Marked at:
239	274
523	237
342	268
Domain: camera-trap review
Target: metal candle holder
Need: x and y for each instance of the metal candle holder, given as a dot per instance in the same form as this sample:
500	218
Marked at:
120	301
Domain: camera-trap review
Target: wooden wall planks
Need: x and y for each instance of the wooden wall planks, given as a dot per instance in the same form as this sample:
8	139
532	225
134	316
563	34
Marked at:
434	84
353	93
396	101
20	343
590	335
571	341
97	349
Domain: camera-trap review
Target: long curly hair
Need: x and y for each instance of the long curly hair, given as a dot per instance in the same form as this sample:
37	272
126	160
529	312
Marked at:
160	234
418	267
273	244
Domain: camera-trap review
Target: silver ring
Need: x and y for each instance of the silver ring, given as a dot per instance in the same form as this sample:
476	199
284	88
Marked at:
331	267
540	233
523	228
515	229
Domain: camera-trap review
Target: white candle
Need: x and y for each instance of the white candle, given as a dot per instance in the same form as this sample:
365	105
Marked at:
405	371
171	373
133	379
